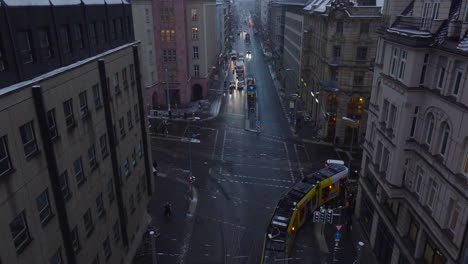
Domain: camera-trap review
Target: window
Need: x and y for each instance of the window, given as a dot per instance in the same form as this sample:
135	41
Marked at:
364	28
107	248
454	212
414	122
68	111
122	127
3	65
43	207
165	35
385	160
445	137
92	157
101	32
393	61
131	204
119	28
194	14
103	143
110	191
129	119
196	70
278	19
337	51
140	151
116	229
441	76
24	46
134	158
426	13
5	159
78	170
403	56
83	105
124	78
385	109
28	138
78	35
392	117
419	179
413	230
126	168
44	44
112	26
378	153
429	128
63	182
52	124
435	11
56	258
358	78
65	38
339	27
457	82
88	222
92	34
19	231
194	33
100	205
432	255
465	162
147	15
135	111
432	193
132	74
138	192
172	36
116	83
75	240
424	69
195	53
97	96
361	53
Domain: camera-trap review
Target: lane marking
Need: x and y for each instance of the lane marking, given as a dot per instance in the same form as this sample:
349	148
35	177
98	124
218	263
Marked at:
254	183
289	162
256	178
222	151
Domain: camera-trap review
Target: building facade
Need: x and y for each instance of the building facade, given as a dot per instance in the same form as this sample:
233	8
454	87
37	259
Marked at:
186	51
413	199
293	36
75	175
339	48
143	28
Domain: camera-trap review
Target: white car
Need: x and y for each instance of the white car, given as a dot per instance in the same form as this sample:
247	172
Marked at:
248	55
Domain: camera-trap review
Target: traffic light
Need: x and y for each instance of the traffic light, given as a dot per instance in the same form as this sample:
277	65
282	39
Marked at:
322	215
191	179
316	217
330	216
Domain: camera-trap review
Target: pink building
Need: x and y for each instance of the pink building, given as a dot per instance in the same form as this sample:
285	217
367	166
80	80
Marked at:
186	51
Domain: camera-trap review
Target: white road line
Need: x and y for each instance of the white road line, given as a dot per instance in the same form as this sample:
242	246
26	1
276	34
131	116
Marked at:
301	169
214	146
257	166
289	162
222	151
256	178
254	183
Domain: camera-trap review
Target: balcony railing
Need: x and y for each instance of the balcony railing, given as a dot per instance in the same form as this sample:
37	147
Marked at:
333	61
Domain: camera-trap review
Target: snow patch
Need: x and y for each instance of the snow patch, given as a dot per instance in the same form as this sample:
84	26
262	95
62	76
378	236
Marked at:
93	2
27	2
65	2
410	32
113	2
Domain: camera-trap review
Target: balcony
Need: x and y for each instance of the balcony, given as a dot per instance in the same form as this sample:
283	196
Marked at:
334	61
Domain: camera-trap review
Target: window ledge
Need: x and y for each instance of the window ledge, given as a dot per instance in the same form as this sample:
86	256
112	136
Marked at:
96	165
90	232
33	154
102	213
105	155
22	247
8	172
81	182
98	106
47	220
71	126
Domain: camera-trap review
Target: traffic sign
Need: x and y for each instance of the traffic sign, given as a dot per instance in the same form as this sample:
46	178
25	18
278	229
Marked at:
338	227
337	236
251	88
258	123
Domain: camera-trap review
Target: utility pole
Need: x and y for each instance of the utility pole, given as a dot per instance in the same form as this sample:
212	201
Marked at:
154	234
359	253
168	94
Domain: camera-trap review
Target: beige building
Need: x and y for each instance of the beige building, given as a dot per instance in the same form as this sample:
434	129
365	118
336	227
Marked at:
74	167
413	198
143	28
339	48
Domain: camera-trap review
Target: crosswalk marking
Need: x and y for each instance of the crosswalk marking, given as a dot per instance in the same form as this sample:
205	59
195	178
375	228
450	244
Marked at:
256	178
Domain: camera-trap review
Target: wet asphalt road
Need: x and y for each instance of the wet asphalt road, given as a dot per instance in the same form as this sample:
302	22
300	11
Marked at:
239	175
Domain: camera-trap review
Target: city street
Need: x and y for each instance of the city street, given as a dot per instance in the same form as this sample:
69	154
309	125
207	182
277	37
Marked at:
239	175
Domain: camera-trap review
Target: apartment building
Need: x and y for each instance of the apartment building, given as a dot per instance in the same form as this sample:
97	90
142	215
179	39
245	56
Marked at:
292	55
187	55
143	28
339	48
413	199
75	174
